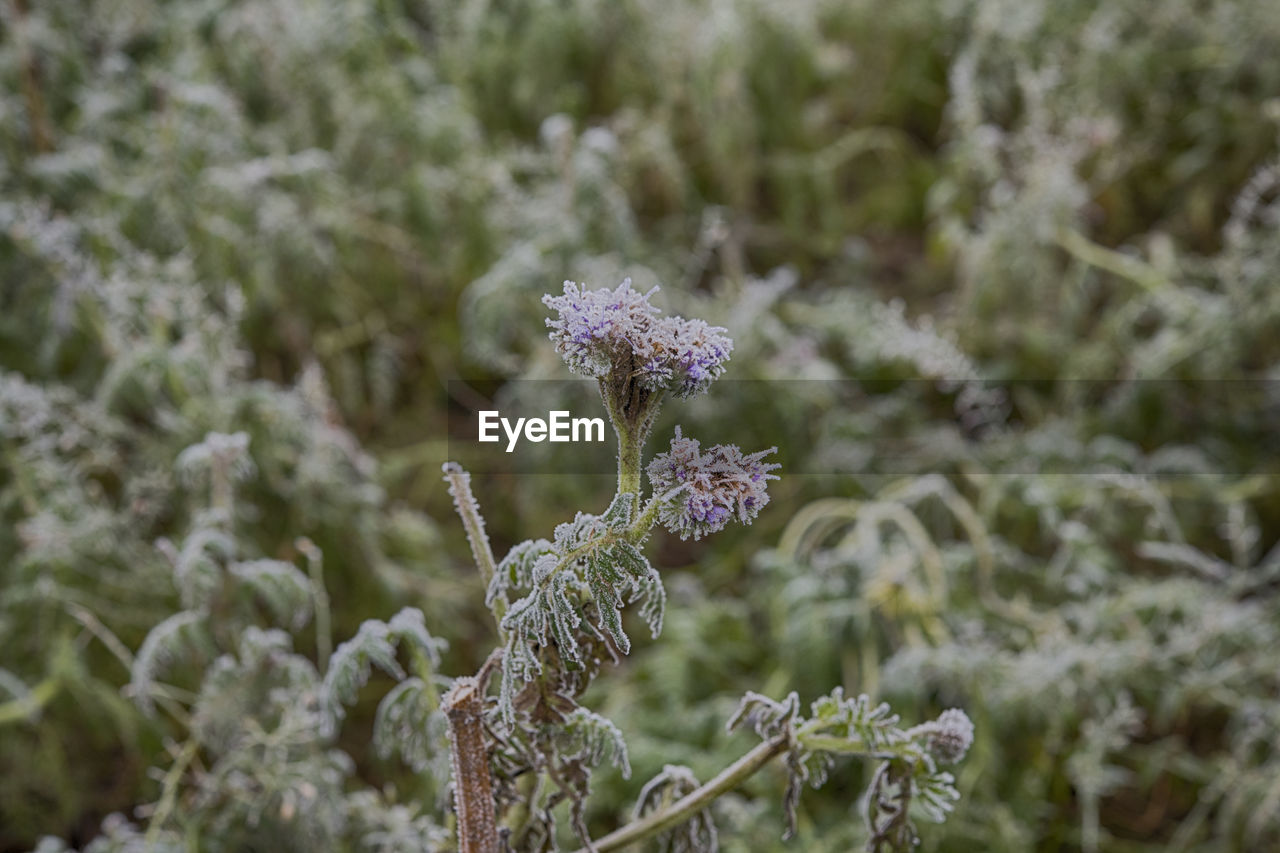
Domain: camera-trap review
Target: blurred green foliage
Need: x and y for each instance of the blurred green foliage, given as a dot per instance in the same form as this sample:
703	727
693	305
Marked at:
299	218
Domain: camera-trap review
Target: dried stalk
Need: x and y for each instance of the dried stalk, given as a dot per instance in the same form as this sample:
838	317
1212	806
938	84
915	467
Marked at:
463	705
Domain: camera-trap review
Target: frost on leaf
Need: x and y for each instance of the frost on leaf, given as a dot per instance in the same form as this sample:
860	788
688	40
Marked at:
373	645
589	737
590	561
547	612
766	716
698	833
263	681
516	569
908	774
179	634
197	567
869	728
618	516
224	454
407	725
281	586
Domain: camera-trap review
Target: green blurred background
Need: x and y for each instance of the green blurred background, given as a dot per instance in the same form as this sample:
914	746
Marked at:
301	219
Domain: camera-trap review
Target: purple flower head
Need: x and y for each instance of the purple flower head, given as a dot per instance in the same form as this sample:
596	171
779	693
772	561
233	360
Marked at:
701	492
602	331
596	328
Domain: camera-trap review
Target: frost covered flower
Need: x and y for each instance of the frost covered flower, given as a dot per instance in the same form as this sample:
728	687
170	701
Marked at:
596	327
950	736
700	493
687	354
600	332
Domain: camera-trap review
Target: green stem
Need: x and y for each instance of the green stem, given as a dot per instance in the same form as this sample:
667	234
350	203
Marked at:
319	601
169	793
641	526
694	802
632	411
810	736
629	449
27	705
1125	266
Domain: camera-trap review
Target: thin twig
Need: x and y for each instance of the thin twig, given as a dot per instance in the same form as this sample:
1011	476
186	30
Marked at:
469	511
169	793
26	706
319	600
697	800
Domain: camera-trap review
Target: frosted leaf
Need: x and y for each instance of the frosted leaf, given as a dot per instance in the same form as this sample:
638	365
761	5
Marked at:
410	626
519	665
264	680
766	716
197	568
516	569
407	725
583	528
176	635
281	586
618	516
546	612
869	728
697	834
229	453
594	738
382	827
375	645
935	795
653	602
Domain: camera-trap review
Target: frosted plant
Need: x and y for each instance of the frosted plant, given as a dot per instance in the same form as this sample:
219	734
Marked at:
523	749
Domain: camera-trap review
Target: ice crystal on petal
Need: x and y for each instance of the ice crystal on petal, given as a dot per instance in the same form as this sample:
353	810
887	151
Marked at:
702	492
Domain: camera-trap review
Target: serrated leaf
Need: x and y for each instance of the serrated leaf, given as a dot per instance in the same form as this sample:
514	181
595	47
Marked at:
281	586
618	515
407	724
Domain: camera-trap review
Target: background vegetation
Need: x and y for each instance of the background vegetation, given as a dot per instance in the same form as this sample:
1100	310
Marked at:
298	219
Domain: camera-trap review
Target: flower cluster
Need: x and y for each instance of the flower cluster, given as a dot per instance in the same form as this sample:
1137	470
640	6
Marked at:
700	493
950	736
602	331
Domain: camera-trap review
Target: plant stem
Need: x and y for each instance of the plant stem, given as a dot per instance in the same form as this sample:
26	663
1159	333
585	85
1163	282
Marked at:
469	511
632	411
30	703
37	117
695	801
1125	266
640	527
169	793
472	786
319	600
629	448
